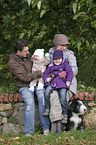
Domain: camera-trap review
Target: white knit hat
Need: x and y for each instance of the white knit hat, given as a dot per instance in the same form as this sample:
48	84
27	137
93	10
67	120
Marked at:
39	52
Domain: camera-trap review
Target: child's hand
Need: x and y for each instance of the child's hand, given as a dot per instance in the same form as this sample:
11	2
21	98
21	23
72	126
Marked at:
68	84
48	79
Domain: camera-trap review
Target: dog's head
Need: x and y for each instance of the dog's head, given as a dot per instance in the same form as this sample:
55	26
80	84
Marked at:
77	106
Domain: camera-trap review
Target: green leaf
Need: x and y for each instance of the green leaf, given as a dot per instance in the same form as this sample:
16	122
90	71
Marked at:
34	4
79	14
84	30
39	5
42	13
78	45
74	7
87	43
89	2
93	24
29	2
59	2
94	47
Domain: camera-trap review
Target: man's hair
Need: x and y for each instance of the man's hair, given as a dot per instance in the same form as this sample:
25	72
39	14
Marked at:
19	44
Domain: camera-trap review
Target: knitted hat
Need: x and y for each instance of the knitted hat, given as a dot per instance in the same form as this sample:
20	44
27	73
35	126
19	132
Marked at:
39	52
58	54
60	39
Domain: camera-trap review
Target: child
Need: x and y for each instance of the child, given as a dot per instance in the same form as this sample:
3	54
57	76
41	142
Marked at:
39	63
53	80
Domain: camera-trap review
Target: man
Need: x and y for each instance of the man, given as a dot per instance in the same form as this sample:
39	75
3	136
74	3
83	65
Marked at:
20	65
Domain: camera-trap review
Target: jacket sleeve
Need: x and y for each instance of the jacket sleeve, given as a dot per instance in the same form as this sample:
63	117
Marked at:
46	74
20	72
68	70
72	62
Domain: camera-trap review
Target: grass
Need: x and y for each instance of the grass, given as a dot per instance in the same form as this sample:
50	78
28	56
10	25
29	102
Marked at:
87	137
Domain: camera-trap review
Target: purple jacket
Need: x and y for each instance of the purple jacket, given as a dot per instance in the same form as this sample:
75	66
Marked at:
58	82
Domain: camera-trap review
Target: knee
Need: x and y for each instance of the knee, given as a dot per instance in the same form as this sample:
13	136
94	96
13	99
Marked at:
30	105
48	90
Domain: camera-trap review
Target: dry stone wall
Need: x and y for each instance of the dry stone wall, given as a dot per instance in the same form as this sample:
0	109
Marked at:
12	111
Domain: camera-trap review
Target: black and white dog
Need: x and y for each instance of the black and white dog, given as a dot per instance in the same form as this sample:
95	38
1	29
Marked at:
76	110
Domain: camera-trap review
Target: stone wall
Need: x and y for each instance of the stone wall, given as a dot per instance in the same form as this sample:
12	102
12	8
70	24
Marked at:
12	110
12	113
5	97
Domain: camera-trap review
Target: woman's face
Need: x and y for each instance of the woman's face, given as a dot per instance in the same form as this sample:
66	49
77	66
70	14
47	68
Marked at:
62	47
57	61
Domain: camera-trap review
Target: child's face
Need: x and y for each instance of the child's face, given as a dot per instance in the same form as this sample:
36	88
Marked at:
62	47
57	61
36	57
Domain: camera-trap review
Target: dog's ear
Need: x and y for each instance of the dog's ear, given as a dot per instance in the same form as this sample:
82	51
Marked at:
71	106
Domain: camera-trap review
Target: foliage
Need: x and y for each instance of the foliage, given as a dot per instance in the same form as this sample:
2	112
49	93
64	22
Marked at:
87	70
81	87
38	21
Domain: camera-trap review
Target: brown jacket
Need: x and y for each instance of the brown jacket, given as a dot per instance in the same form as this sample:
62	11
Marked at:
21	68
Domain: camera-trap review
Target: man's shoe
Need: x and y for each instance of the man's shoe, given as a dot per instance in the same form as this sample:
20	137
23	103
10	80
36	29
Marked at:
46	132
64	121
46	112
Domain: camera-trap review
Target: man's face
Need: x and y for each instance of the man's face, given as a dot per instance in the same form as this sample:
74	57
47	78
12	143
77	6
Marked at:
57	61
62	47
24	52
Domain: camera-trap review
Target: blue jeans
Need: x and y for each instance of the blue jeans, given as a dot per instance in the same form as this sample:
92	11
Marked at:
29	112
62	92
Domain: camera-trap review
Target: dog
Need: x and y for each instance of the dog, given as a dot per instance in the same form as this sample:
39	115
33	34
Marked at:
76	111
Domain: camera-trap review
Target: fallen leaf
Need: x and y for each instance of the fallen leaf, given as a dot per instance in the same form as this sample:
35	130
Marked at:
16	138
72	137
17	142
2	139
10	140
39	135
